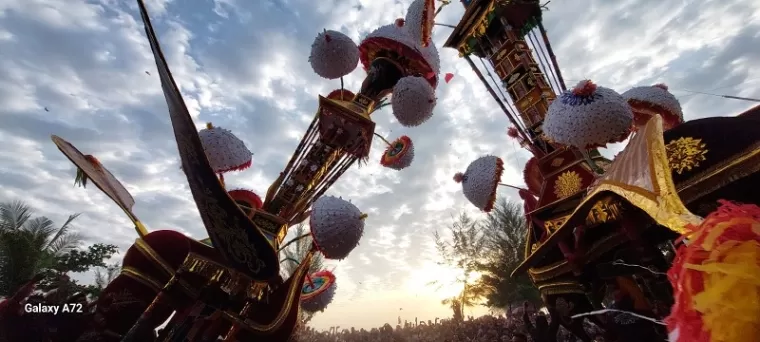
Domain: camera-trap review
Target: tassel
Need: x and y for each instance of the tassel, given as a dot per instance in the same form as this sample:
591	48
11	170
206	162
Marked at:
81	178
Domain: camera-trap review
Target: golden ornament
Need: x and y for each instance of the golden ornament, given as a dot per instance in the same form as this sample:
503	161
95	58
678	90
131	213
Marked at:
685	154
567	184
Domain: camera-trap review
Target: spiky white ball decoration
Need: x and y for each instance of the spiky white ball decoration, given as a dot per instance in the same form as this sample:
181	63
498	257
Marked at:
333	55
419	20
399	154
225	151
393	32
336	226
480	181
651	100
430	53
413	101
318	291
588	116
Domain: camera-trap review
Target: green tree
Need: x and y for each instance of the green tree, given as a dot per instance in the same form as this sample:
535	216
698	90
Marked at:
504	230
31	245
491	247
465	251
104	275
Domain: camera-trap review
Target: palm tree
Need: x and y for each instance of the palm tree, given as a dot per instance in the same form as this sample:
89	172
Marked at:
30	244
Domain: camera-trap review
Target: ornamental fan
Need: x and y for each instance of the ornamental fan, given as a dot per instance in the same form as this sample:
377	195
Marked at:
318	291
341	95
716	278
419	20
333	55
480	181
588	116
247	200
413	101
653	100
225	152
336	226
399	154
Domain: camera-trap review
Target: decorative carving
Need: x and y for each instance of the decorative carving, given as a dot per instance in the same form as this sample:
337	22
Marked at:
553	225
567	184
603	211
556	162
685	154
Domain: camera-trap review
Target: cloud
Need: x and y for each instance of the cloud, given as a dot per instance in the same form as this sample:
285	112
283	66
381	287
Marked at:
243	65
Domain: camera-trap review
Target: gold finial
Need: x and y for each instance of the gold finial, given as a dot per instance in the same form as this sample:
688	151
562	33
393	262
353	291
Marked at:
209	125
363	216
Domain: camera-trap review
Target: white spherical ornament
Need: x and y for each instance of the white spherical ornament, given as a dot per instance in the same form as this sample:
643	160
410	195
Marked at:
318	291
480	181
430	53
225	151
588	116
413	101
654	100
333	55
393	32
336	226
419	20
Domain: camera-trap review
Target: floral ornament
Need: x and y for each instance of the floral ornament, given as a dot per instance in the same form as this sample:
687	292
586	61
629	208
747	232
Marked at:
413	101
318	292
399	154
654	100
225	151
716	278
333	55
419	20
247	200
587	117
336	226
480	181
341	95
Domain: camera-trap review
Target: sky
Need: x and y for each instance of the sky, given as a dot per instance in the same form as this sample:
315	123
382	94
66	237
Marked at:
243	65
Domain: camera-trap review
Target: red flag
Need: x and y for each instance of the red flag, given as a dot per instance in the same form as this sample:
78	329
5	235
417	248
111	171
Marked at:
448	77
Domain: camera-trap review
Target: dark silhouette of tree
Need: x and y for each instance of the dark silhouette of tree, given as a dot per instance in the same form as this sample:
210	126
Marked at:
505	232
35	245
491	247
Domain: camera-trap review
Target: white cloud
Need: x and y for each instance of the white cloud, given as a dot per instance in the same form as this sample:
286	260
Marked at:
243	65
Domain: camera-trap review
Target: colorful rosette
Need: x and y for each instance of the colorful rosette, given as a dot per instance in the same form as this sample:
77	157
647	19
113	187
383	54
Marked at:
341	95
532	176
395	40
654	100
225	151
333	55
413	101
399	154
318	291
247	200
716	279
480	181
588	116
336	226
419	20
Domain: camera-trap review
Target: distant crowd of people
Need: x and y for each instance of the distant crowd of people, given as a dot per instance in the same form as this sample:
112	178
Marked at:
520	328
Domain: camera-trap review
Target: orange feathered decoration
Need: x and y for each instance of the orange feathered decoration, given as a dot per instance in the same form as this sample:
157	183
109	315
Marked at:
716	278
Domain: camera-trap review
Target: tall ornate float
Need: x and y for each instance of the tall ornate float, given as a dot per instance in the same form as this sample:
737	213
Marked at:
590	219
229	285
